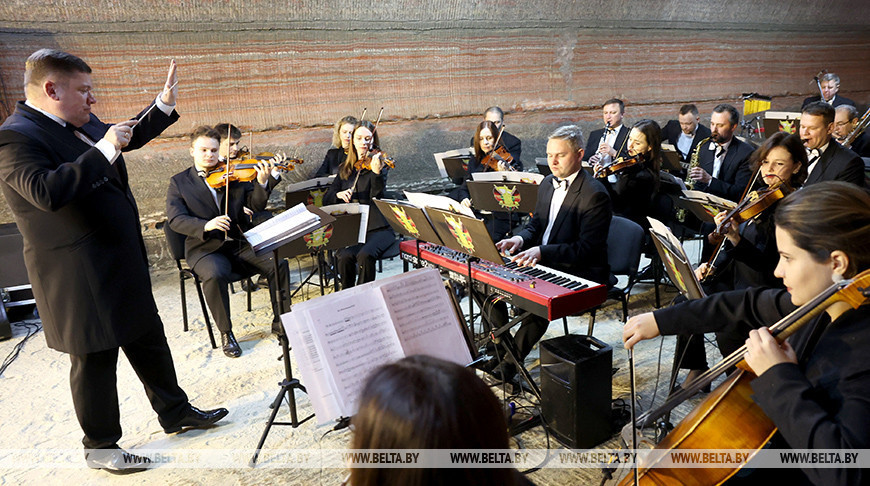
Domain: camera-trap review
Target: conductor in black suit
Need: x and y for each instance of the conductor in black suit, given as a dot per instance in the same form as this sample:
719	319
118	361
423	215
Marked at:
828	160
608	143
65	179
686	132
724	162
830	84
213	222
568	231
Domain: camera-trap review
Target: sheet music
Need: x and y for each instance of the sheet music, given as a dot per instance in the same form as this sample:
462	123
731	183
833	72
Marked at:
421	200
709	199
440	156
311	367
423	316
282	226
352	208
310	184
508	176
355	336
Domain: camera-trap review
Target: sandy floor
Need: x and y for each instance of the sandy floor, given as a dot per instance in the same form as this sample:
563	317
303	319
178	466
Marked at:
39	423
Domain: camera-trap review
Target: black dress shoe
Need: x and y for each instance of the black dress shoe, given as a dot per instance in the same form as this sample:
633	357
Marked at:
230	345
116	460
195	418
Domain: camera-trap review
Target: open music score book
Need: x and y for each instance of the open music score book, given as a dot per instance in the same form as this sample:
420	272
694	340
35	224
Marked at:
285	226
340	338
676	262
705	205
508	176
421	200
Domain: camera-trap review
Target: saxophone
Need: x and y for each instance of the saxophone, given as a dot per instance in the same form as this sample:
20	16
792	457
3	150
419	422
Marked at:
690	183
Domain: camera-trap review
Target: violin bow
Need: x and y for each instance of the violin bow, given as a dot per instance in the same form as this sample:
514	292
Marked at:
227	180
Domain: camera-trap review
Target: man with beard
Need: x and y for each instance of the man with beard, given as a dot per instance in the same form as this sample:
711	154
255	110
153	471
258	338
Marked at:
724	162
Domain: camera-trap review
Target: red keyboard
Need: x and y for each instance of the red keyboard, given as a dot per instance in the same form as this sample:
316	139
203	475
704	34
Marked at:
540	290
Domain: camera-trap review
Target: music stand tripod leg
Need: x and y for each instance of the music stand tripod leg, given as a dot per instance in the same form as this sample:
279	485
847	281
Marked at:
288	384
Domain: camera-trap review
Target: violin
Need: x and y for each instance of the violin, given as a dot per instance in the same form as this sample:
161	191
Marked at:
620	165
243	170
500	154
366	161
752	206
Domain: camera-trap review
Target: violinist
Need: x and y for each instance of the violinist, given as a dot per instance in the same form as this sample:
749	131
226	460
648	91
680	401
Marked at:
231	137
749	254
361	178
484	144
513	144
815	386
637	183
341	142
213	222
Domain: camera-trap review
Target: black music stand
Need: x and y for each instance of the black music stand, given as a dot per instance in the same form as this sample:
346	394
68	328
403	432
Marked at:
671	160
504	196
342	233
780	121
470	236
704	207
453	164
288	384
307	192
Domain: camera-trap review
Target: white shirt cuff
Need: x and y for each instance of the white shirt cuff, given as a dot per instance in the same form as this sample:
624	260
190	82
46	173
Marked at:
108	150
166	109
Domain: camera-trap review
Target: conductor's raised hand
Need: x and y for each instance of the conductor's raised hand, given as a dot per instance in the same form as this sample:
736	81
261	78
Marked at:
119	134
510	245
221	223
639	328
170	89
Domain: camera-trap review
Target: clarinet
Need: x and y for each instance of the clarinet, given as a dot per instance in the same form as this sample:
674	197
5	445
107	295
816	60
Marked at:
690	183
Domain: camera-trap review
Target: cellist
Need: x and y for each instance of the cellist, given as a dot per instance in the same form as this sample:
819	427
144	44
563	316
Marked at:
815	386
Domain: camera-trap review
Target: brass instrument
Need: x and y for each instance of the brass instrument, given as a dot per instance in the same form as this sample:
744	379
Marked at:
858	130
690	183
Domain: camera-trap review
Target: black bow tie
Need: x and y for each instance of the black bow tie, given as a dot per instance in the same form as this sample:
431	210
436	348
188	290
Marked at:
560	183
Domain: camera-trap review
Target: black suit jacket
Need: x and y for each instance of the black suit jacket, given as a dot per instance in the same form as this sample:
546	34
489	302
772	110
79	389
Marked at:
671	133
861	145
190	205
734	174
619	145
334	157
838	100
823	402
578	240
83	244
838	164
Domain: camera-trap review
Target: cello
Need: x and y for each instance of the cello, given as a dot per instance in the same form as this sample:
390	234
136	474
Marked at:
728	418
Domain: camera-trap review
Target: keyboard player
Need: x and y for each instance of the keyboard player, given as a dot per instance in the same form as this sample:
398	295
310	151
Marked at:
567	232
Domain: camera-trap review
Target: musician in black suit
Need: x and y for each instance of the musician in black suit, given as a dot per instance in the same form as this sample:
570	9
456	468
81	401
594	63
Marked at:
830	84
686	132
213	223
845	121
65	180
608	143
828	160
341	141
568	231
724	162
